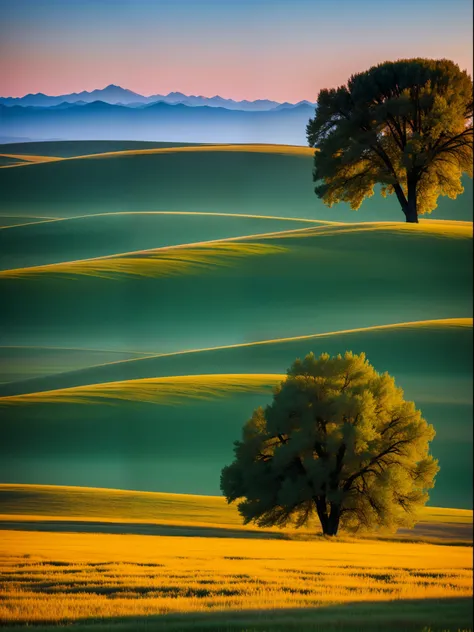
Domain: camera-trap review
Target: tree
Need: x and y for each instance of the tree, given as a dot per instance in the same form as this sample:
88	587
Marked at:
406	125
338	441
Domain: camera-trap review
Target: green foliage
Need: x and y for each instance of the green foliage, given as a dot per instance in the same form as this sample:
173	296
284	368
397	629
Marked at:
406	125
339	440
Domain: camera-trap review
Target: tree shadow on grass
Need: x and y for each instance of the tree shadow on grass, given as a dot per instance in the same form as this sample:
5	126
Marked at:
137	528
415	615
439	533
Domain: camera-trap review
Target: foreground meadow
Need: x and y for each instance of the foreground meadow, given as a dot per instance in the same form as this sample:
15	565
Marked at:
64	577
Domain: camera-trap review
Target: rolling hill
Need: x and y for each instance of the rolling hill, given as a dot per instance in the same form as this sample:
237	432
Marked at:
154	294
274	181
207	293
166	427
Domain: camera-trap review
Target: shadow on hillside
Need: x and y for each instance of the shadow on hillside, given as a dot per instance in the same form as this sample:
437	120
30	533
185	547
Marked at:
442	532
433	615
136	528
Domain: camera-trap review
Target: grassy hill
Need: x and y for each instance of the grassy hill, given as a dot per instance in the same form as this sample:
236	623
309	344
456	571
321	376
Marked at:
271	180
208	294
44	241
177	417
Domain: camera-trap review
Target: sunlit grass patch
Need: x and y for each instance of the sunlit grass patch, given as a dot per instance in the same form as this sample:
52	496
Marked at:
21	160
162	262
285	150
163	390
261	148
437	228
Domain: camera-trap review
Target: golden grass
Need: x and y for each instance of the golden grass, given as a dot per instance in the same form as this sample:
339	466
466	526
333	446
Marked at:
197	257
66	576
284	150
162	390
24	159
452	229
158	262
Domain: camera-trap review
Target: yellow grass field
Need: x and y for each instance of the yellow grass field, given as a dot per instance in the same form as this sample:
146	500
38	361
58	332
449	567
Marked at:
49	577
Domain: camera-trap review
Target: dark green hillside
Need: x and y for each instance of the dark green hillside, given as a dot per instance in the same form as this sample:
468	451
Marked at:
42	242
21	363
250	290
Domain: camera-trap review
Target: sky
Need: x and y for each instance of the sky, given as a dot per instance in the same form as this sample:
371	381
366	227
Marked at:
286	50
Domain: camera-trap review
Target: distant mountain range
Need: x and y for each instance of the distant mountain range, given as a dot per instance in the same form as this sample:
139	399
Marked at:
121	96
159	121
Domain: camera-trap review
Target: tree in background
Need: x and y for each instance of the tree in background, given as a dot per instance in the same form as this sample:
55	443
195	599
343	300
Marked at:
338	440
406	125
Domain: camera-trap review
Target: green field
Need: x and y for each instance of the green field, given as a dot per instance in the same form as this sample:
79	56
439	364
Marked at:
153	296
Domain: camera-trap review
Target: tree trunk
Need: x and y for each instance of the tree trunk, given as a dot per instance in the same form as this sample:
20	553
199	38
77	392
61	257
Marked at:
410	210
321	509
333	521
411	214
329	521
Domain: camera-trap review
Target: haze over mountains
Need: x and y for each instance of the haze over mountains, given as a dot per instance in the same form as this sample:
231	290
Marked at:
116	113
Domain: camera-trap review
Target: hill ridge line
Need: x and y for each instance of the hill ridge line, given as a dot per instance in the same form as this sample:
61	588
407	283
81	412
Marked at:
461	322
198	213
466	322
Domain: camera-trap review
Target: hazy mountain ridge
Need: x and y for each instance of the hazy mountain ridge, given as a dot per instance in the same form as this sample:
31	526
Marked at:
121	96
100	120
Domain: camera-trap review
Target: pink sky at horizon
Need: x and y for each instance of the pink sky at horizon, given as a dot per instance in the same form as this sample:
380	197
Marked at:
239	50
202	84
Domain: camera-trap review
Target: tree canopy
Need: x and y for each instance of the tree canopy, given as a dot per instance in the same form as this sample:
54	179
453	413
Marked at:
338	441
406	125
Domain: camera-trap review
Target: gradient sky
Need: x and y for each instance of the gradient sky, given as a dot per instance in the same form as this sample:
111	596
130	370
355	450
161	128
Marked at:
243	49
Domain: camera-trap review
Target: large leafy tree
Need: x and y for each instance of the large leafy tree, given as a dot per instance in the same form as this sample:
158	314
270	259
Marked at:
338	441
406	125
